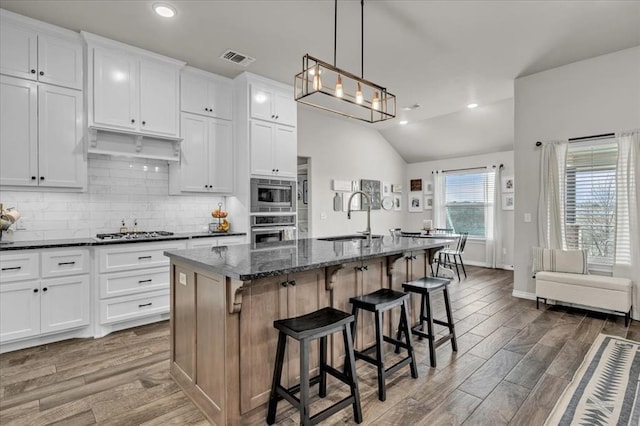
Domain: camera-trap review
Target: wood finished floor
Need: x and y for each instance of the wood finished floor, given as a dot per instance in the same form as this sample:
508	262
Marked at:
513	362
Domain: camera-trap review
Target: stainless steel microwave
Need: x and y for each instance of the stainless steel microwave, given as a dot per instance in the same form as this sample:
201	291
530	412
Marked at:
273	195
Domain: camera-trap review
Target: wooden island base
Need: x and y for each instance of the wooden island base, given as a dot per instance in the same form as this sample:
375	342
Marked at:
223	344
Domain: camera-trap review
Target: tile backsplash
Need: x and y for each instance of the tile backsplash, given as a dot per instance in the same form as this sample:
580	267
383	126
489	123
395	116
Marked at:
118	188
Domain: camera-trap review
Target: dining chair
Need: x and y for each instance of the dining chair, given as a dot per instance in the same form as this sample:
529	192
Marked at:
445	255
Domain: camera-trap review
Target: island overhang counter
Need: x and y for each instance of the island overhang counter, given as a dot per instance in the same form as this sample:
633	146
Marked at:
224	301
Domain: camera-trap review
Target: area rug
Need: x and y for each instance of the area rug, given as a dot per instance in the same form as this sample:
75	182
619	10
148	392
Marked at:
605	389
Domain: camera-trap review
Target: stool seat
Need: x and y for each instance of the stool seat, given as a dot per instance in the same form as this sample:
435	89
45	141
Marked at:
379	300
318	323
426	284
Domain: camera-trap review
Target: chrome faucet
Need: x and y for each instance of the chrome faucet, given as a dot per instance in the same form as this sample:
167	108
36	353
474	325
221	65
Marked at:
367	231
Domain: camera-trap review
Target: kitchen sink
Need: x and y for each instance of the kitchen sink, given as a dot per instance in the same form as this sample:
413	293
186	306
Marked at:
349	237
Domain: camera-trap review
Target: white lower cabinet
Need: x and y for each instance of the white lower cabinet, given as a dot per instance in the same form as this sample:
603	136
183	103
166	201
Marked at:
133	284
217	241
57	300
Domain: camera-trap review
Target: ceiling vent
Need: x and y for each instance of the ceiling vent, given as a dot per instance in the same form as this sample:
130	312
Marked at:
237	58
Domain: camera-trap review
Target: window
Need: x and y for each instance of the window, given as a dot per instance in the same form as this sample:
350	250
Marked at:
590	199
467	197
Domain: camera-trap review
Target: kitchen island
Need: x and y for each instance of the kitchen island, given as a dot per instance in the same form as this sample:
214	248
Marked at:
224	301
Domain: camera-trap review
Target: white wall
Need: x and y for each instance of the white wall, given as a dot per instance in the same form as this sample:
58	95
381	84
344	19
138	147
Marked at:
475	250
118	188
345	150
595	96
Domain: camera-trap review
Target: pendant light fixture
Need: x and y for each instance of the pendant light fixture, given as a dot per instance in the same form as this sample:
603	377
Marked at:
355	97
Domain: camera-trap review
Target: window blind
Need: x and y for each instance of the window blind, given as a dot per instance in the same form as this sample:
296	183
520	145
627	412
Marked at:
467	196
590	199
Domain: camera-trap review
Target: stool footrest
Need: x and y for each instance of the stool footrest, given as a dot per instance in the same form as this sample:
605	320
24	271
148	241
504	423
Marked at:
439	322
337	374
328	412
296	388
282	393
398	365
367	358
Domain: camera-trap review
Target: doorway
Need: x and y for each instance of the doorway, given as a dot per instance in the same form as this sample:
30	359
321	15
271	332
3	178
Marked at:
304	197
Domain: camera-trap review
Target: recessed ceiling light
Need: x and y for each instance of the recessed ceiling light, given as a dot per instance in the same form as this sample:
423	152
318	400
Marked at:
165	10
403	122
471	106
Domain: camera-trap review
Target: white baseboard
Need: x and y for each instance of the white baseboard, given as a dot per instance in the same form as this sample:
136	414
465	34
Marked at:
507	267
523	295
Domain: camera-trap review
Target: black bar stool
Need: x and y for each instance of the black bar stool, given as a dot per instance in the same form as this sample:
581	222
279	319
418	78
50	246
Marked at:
426	287
316	325
379	302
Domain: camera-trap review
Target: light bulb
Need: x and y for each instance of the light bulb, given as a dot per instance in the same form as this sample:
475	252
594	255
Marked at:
358	94
339	92
317	82
375	103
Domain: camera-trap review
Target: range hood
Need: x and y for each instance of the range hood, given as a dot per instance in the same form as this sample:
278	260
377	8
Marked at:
133	144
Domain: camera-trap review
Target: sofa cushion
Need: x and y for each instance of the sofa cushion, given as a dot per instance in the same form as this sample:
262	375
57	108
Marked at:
556	260
596	281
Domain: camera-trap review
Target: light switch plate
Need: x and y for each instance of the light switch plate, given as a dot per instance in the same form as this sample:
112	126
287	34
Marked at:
527	217
182	278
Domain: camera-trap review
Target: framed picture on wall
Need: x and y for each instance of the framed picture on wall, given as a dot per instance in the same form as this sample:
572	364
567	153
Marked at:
396	188
507	184
428	187
386	188
397	203
428	203
415	185
508	201
415	201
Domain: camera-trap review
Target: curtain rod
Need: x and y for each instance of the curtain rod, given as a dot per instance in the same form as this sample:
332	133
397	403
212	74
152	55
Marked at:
460	170
583	138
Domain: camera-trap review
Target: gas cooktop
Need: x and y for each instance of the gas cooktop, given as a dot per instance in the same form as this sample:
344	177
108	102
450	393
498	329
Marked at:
133	235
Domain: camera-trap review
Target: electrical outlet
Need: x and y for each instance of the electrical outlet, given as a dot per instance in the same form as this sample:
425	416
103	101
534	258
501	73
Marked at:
527	217
22	224
323	216
504	251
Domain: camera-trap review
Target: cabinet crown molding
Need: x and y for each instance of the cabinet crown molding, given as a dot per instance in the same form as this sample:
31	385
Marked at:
38	26
96	40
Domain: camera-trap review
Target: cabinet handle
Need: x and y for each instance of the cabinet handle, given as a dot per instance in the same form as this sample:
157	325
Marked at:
13	268
277	170
145	304
44	289
144	122
284	284
41	177
145	281
33	71
144	257
41	72
133	121
35	290
277	116
292	282
206	109
273	116
66	263
33	178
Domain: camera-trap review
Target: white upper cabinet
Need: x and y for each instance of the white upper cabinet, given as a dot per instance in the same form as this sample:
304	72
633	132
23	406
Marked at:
39	55
206	163
41	135
132	90
272	104
115	100
273	149
206	94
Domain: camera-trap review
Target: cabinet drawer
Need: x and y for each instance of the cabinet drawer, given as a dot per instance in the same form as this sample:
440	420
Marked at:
19	267
230	241
122	283
136	256
131	307
67	262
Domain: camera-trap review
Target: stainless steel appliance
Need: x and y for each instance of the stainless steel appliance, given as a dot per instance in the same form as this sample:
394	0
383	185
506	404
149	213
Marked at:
133	235
272	228
273	195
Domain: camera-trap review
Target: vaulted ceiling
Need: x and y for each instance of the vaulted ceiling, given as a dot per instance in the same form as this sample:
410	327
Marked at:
441	55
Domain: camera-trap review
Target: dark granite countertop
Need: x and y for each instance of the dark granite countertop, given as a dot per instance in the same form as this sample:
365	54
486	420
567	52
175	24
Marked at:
75	242
245	263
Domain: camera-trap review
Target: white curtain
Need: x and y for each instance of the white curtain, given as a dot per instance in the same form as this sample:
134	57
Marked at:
627	253
439	192
551	197
493	219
